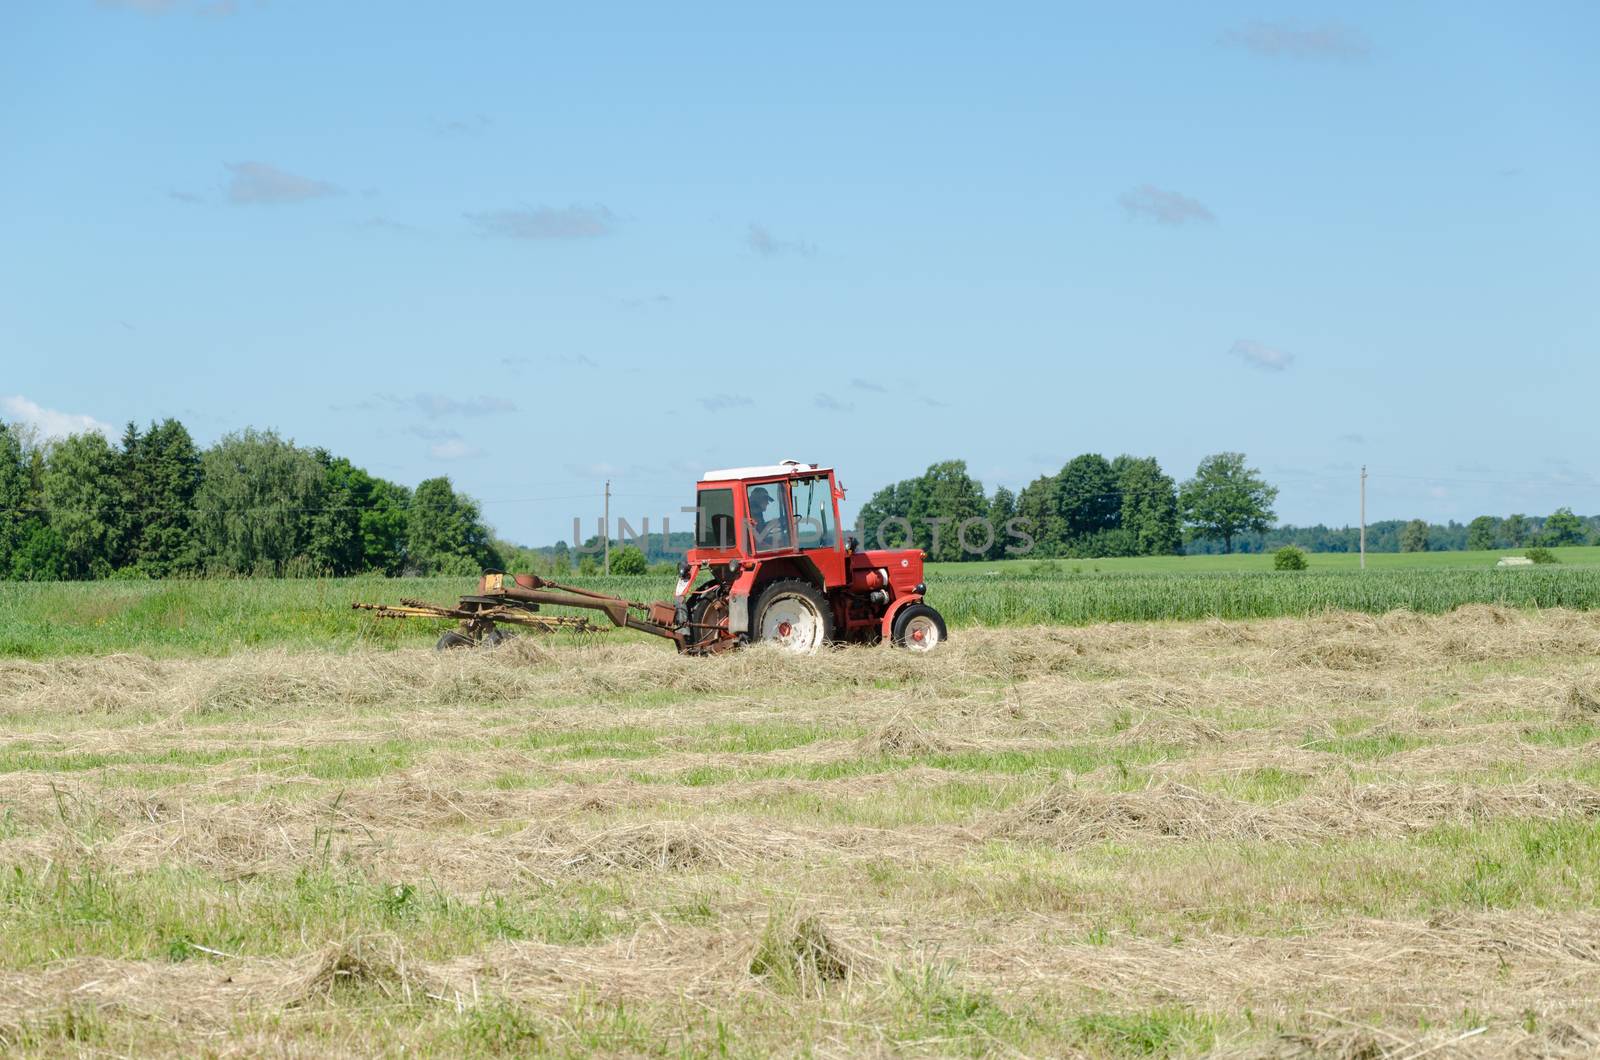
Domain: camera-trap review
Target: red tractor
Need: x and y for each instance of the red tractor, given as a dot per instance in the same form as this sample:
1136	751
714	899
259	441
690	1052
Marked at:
770	562
782	570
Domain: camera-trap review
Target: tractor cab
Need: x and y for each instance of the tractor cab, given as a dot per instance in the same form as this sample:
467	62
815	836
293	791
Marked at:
782	568
765	513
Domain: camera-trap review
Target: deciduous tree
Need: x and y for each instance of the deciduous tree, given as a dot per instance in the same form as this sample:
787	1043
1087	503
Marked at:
1563	528
83	494
1483	533
447	534
1414	538
1149	506
1225	498
255	502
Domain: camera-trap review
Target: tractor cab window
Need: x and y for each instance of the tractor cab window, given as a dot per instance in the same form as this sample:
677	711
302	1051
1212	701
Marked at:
713	519
769	516
813	512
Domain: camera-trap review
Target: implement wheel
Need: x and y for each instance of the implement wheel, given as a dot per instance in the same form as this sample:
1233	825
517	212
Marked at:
793	615
453	638
708	619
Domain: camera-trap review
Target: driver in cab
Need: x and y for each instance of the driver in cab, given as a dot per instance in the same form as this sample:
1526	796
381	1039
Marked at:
769	533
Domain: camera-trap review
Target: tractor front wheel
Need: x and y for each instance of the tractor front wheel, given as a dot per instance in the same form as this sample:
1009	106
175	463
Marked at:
919	627
794	615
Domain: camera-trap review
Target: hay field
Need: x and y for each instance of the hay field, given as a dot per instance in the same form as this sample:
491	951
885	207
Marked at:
1346	835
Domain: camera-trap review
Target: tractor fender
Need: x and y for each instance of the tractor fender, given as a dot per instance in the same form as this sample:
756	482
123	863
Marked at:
894	609
739	600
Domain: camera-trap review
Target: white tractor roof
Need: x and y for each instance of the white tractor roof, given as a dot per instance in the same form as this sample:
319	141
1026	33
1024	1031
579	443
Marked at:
783	467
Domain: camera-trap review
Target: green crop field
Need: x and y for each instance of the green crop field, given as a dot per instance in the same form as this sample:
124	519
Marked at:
1262	561
40	620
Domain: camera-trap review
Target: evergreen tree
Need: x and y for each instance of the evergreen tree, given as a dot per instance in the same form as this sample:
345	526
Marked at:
168	478
129	517
1516	531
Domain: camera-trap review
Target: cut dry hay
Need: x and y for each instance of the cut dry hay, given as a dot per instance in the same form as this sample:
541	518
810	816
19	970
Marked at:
798	954
611	825
664	846
902	736
365	962
1067	815
1581	704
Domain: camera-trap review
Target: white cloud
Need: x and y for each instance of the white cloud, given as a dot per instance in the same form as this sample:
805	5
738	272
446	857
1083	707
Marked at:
211	9
767	245
723	402
453	449
1165	207
52	423
435	406
259	183
148	7
1281	40
1260	355
829	403
546	222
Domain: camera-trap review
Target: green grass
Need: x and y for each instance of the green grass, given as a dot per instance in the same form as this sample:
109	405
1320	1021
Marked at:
194	617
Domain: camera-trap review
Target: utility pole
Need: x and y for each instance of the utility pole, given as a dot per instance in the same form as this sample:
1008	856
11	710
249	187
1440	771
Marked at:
607	534
1363	517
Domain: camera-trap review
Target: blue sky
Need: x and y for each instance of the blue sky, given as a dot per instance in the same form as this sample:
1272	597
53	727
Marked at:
535	246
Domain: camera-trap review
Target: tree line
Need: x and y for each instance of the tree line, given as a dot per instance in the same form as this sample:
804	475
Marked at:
156	505
1092	507
1485	533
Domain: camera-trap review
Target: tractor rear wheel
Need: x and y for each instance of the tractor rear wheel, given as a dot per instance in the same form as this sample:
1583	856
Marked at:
919	627
794	615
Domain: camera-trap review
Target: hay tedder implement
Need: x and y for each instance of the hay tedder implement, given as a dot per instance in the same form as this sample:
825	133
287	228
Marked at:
768	564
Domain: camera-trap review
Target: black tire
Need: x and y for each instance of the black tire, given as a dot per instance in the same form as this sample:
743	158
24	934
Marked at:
496	637
918	627
453	638
792	603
